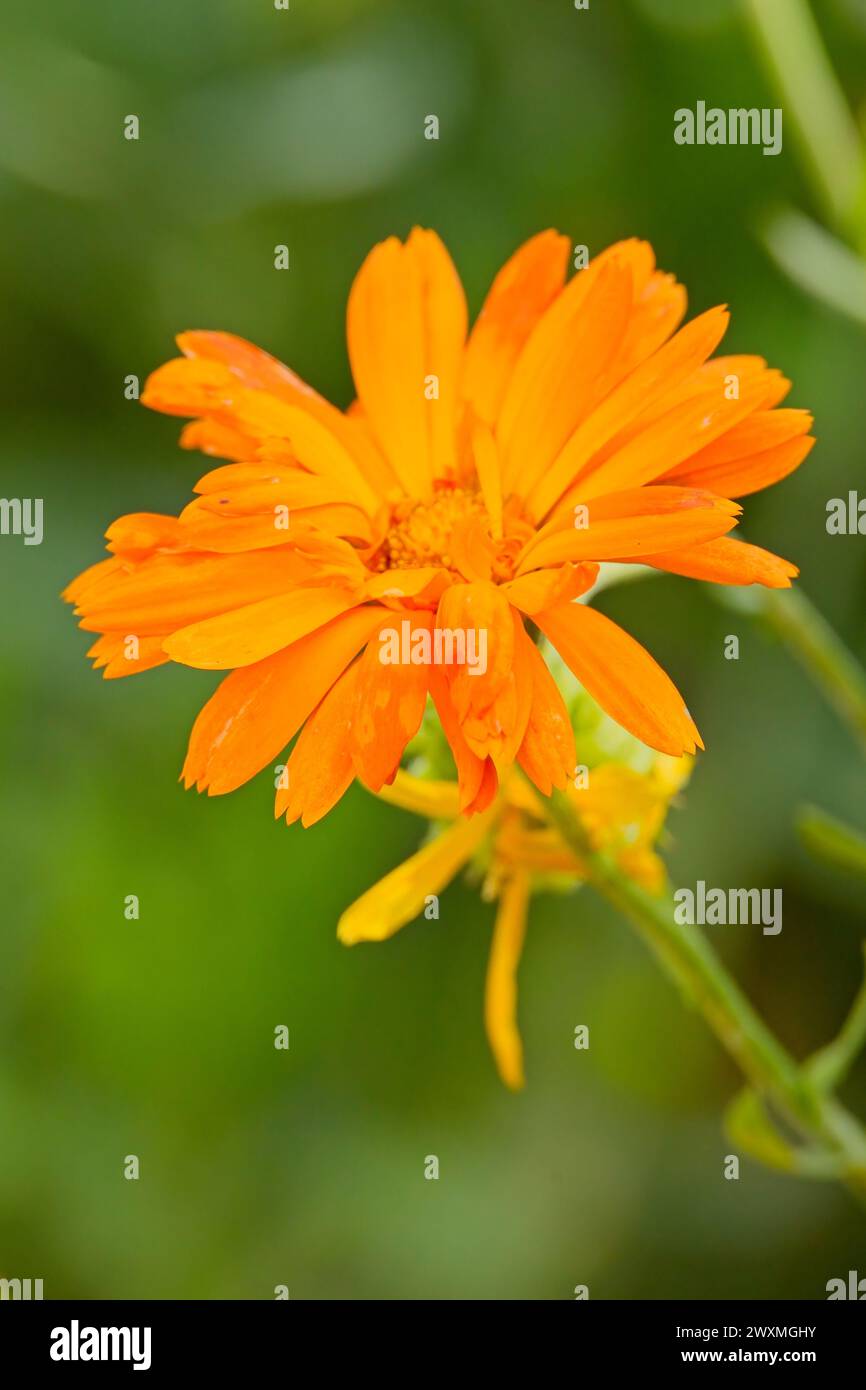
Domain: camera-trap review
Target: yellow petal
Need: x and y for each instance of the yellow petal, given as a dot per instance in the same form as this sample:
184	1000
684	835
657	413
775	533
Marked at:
426	797
401	895
500	997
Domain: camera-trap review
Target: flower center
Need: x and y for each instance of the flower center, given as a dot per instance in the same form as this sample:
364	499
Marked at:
420	532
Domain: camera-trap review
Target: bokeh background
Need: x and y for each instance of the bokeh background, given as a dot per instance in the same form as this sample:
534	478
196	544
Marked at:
155	1037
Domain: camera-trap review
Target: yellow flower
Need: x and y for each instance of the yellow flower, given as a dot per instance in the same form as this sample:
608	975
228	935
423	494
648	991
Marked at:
517	848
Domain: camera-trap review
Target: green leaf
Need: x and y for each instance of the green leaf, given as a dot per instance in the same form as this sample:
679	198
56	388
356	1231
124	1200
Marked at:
828	1067
817	261
831	840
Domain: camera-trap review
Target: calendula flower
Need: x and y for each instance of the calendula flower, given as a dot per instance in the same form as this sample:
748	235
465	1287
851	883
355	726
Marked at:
473	488
515	849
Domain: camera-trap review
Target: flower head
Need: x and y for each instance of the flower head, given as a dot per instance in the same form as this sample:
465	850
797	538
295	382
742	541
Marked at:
471	491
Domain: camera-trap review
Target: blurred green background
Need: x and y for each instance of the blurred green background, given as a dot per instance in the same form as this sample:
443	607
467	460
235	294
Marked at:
155	1037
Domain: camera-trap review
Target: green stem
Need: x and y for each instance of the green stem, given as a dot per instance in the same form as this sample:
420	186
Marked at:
790	45
793	618
831	1065
831	840
692	963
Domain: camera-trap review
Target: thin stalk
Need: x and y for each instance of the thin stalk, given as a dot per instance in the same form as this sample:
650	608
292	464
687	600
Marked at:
691	962
796	620
831	1065
790	45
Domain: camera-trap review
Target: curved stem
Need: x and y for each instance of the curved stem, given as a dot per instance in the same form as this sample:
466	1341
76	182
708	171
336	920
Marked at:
689	959
822	652
791	616
790	45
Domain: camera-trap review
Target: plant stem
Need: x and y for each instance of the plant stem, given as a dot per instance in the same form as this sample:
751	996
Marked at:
823	654
796	620
831	840
691	962
831	1065
790	45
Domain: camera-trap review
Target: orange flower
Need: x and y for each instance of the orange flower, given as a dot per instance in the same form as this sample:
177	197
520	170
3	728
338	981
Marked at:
475	484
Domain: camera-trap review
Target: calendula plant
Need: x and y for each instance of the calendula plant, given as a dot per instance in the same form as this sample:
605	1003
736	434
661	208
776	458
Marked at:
476	486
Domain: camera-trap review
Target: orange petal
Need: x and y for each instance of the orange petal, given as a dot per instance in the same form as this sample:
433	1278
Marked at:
544	588
673	363
691	425
766	386
242	489
492	704
482	612
621	676
320	767
241	475
257	630
509	714
472	550
217	438
658	310
250	366
389	703
184	386
258	371
139	535
322	557
547	753
519	295
91	579
762	430
559	375
446	324
168	592
303	439
424	584
487	467
486	794
229	535
113	655
746	474
476	777
625	525
406	323
254	713
752	371
728	561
